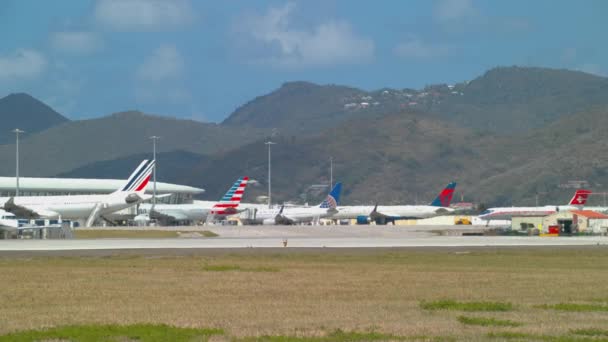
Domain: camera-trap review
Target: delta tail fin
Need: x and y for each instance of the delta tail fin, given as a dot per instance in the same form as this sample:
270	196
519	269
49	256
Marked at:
139	178
230	201
445	196
333	199
580	197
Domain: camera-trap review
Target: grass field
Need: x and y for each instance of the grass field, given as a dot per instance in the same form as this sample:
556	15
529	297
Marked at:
546	294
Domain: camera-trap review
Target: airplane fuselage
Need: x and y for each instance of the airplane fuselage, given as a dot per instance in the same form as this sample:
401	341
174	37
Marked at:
393	211
295	214
76	207
507	213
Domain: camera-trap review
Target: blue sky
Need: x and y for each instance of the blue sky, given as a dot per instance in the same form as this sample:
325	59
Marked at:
202	59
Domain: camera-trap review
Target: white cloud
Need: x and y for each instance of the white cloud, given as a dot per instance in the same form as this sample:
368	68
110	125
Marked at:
159	79
143	15
332	42
23	63
164	63
415	48
76	42
449	10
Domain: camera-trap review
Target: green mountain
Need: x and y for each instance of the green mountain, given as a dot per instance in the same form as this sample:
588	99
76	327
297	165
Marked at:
504	100
402	146
26	113
516	99
170	166
407	157
78	143
395	158
303	108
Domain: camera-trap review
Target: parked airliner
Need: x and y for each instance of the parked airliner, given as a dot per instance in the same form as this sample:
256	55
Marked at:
195	212
83	207
506	213
298	215
388	213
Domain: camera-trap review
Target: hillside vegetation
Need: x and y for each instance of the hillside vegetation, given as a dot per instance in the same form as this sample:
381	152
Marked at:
507	137
26	113
75	144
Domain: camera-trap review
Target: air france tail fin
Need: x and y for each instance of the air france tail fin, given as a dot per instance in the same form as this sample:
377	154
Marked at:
333	199
230	201
580	197
445	196
139	178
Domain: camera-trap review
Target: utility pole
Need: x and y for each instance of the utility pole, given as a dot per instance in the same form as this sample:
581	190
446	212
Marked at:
269	143
17	131
331	173
154	138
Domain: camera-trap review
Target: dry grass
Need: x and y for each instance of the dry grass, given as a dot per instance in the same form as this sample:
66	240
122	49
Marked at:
311	294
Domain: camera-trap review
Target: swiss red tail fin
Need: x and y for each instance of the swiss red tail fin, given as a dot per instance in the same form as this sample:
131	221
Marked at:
580	197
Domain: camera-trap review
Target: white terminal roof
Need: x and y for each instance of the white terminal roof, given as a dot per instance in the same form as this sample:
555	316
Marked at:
85	185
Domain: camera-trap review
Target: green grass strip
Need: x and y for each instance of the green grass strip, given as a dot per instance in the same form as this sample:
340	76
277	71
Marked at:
95	333
591	332
466	306
487	322
237	268
575	307
339	336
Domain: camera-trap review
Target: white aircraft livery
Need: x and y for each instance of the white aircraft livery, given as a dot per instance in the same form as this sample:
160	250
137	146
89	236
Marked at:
506	213
195	212
81	207
389	213
298	215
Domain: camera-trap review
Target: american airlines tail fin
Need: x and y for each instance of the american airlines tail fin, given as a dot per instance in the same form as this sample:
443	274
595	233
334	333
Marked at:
445	196
139	178
230	201
580	197
332	200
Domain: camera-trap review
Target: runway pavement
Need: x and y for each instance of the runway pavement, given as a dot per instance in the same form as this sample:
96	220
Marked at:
305	237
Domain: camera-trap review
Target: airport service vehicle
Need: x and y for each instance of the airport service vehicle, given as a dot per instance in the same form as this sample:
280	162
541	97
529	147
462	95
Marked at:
506	213
195	212
81	207
298	215
383	214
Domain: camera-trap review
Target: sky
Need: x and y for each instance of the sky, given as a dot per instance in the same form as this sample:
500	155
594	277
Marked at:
203	59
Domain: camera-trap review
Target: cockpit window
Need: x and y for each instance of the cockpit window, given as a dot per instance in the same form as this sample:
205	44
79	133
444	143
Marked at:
485	212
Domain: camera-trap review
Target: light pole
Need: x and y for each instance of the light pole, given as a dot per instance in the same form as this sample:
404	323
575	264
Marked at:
17	131
269	143
331	173
154	138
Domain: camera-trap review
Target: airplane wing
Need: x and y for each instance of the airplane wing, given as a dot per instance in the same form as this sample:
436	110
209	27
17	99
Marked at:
176	215
280	218
378	215
28	212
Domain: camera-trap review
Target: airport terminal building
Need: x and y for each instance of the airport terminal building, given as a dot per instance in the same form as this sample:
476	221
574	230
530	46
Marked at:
29	186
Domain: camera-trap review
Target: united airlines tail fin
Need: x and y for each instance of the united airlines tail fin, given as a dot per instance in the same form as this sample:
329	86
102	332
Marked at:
139	178
333	199
230	201
445	196
580	197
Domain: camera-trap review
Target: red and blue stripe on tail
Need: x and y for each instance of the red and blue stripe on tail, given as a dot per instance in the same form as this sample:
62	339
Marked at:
230	201
139	179
445	196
